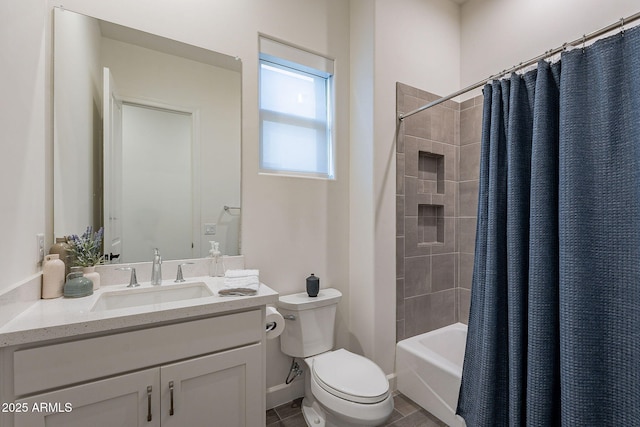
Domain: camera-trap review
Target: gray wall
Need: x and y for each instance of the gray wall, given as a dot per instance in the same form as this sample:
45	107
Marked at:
436	202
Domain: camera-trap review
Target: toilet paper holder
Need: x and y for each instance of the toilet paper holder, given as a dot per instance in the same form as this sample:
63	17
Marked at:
270	326
274	323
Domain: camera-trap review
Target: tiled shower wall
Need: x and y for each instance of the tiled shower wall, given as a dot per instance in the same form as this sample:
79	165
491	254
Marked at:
436	202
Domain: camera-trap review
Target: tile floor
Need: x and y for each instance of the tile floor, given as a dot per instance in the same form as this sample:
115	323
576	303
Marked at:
406	413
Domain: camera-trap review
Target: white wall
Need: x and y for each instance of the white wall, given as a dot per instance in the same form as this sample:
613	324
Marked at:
417	43
361	274
24	174
290	227
498	34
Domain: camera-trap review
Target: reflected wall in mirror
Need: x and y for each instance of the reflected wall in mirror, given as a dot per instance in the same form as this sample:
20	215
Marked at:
146	140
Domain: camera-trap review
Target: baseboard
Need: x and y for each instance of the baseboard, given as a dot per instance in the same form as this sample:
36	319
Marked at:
284	393
393	381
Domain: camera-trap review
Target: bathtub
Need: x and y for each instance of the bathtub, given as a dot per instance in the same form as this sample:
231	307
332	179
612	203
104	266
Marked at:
429	369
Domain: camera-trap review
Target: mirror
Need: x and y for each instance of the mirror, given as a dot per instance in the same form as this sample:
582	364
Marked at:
146	141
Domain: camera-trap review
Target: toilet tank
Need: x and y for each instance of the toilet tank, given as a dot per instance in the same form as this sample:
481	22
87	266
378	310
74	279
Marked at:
309	322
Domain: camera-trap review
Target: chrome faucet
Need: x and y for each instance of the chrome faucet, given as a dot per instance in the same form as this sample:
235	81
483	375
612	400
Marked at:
156	269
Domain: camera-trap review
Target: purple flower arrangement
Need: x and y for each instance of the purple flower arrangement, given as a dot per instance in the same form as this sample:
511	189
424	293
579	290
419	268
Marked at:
86	250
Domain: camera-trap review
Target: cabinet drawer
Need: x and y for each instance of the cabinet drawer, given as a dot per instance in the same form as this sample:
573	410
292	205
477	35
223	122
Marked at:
57	365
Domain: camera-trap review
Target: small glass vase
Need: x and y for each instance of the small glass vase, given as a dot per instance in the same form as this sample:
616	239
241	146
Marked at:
91	274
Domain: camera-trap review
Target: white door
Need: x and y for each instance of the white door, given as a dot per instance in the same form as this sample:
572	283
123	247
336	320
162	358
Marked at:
126	401
222	389
112	128
157	177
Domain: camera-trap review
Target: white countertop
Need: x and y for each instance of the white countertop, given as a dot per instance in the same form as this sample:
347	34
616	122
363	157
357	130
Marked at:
68	317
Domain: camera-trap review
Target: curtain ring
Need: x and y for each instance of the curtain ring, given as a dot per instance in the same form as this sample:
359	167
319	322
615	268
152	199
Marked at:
622	26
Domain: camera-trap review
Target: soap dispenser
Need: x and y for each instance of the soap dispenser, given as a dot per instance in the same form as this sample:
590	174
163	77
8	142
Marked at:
216	268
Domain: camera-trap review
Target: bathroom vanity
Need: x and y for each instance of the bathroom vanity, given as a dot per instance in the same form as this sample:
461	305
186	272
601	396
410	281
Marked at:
186	362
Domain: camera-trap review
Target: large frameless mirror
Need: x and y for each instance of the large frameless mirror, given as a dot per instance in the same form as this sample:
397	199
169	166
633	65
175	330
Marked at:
146	141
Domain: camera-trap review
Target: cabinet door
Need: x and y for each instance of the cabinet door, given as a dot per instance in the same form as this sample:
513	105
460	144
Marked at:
123	401
223	389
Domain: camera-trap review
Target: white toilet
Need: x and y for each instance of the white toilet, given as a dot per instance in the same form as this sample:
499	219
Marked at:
342	389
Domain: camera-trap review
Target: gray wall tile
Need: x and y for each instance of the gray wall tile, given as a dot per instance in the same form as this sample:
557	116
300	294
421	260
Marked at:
442	309
449	245
417	315
450	198
400	215
439	131
467	104
400	334
410	196
411	160
417	276
464	300
456	128
405	89
466	270
450	163
468	198
411	242
427	97
399	256
443	272
399	299
400	173
469	162
449	123
419	124
467	235
471	125
432	289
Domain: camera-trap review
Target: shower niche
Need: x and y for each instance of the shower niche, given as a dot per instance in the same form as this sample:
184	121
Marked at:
431	172
430	181
430	224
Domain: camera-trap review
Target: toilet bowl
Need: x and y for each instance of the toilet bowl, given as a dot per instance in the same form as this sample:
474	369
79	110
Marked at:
349	389
342	389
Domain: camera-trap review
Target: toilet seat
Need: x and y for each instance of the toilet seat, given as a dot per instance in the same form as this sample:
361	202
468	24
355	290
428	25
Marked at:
350	376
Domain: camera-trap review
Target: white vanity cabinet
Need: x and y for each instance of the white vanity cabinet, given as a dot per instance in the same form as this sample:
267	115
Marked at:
213	390
121	401
195	373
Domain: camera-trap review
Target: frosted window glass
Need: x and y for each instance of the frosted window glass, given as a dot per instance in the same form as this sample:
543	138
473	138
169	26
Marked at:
292	148
287	92
295	135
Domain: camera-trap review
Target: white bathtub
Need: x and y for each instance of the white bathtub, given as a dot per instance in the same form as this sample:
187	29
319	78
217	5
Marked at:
429	369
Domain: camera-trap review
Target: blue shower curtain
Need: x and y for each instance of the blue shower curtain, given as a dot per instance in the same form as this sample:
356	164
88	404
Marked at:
554	326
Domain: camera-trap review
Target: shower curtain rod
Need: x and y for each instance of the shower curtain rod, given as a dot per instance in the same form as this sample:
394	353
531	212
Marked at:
619	24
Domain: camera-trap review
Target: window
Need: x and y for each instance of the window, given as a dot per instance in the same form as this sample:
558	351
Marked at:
295	114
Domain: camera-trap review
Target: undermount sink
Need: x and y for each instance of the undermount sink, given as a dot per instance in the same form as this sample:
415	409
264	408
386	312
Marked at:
126	298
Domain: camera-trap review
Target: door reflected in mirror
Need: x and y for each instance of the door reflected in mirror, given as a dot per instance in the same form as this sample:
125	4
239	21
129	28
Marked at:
146	140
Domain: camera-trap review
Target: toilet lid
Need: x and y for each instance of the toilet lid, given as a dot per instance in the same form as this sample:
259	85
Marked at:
350	377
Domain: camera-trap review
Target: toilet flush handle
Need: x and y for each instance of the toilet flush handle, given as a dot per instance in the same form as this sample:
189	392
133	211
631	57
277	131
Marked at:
290	316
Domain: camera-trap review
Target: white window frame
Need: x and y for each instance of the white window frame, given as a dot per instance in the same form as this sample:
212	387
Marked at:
279	55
